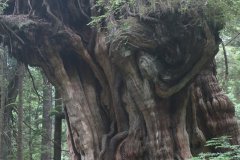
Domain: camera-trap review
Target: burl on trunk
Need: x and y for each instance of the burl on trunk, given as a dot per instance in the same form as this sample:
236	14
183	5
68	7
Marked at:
142	87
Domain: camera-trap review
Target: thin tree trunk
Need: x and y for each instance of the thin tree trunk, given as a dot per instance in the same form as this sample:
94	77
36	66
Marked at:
46	145
21	71
30	141
58	126
2	106
7	138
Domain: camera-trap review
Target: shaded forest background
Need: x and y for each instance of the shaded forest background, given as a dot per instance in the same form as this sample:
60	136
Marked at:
41	107
30	97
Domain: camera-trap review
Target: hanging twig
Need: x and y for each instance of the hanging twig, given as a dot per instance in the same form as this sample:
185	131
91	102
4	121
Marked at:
226	60
34	86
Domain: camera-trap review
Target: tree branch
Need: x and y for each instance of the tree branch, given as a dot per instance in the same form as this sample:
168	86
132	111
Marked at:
34	86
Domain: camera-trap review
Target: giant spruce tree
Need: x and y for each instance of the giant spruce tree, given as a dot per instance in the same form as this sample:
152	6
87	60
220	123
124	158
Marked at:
137	77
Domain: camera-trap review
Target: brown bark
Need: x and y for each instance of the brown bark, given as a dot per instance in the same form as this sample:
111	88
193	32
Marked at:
147	92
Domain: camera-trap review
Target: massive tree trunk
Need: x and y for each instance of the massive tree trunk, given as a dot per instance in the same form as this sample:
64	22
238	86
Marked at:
141	87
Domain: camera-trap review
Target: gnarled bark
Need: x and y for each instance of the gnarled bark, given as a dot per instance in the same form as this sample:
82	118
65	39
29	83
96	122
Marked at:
149	92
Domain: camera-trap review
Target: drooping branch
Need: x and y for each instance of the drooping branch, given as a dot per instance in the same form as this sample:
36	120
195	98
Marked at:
225	60
33	83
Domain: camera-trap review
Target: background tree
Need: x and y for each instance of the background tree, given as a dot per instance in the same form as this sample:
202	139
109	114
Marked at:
20	113
142	87
32	128
2	100
9	88
58	126
47	121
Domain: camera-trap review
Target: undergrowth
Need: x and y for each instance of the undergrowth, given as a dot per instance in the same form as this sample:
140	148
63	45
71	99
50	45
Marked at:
231	152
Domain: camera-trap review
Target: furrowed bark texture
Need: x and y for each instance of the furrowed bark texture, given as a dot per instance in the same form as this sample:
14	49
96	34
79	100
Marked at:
144	92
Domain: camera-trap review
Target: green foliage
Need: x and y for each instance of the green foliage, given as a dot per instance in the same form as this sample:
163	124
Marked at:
106	10
231	12
221	10
231	151
231	85
228	8
3	5
32	128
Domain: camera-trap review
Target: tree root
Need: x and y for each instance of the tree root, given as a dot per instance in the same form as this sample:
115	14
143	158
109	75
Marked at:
198	139
110	143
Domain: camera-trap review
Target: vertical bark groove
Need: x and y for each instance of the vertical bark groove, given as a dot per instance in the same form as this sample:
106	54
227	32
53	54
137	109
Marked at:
76	153
217	108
